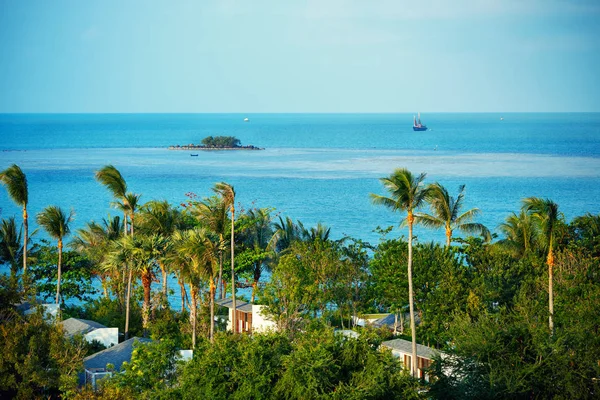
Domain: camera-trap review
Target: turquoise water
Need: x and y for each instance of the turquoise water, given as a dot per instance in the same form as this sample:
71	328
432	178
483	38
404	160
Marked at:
316	167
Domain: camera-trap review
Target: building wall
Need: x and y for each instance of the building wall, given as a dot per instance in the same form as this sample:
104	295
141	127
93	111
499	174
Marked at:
260	322
107	336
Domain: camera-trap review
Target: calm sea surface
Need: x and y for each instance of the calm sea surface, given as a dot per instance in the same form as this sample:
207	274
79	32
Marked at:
316	167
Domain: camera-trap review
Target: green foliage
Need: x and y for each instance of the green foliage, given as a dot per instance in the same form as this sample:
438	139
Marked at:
221	142
150	372
37	361
76	279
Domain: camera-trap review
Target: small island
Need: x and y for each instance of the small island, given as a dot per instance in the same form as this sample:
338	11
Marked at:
216	143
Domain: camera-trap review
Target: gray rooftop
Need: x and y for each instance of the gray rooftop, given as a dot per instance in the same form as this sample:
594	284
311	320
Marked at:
406	347
115	355
240	305
73	326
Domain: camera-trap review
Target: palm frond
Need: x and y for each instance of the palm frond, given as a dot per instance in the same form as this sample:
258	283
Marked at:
15	182
110	177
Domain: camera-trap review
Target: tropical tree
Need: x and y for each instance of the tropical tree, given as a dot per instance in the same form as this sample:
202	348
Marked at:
15	182
195	253
130	205
286	232
121	254
110	177
212	212
161	218
406	193
94	242
520	233
56	223
256	235
446	212
11	250
545	212
227	194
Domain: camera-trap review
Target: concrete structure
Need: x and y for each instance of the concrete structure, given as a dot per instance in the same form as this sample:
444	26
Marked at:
91	331
402	349
95	366
250	317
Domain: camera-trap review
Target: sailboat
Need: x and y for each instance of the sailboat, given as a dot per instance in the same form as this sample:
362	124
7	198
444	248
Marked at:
417	125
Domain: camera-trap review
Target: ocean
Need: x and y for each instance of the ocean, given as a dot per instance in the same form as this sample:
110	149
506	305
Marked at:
315	167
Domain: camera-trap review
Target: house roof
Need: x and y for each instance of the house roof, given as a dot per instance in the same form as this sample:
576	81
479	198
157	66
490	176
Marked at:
405	346
73	326
115	355
239	305
389	320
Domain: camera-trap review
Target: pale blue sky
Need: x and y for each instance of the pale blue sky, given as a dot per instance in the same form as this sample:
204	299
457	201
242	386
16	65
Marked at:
299	56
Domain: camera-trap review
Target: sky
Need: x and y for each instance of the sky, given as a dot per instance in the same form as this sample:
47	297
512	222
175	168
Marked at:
206	56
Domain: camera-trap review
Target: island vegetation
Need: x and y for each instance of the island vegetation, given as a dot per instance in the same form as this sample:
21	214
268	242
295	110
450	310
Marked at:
216	143
516	315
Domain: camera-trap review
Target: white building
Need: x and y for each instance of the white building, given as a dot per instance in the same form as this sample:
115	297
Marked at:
250	317
91	331
402	349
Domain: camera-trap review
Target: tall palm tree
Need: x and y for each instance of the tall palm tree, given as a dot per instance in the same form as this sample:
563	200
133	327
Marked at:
520	233
212	212
130	205
15	182
56	223
161	218
286	232
446	213
227	194
94	241
545	212
110	177
146	250
196	253
122	253
406	193
257	235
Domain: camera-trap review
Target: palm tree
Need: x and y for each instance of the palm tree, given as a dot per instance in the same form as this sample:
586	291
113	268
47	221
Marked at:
256	236
227	194
130	206
520	233
407	194
146	250
545	212
161	218
110	177
286	232
15	182
94	241
120	254
10	245
212	212
56	223
446	212
196	255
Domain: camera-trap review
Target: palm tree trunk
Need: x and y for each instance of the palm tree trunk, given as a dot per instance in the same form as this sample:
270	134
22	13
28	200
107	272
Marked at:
25	239
448	236
125	224
127	303
222	290
550	262
212	309
234	319
146	282
413	332
163	271
254	286
60	246
193	315
182	290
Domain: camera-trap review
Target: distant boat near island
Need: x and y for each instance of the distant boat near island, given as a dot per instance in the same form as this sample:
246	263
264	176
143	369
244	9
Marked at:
246	119
417	125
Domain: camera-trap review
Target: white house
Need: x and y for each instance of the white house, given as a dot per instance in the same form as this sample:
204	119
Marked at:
250	317
402	349
91	331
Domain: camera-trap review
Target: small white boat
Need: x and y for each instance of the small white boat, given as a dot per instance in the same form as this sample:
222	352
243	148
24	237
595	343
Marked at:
246	120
